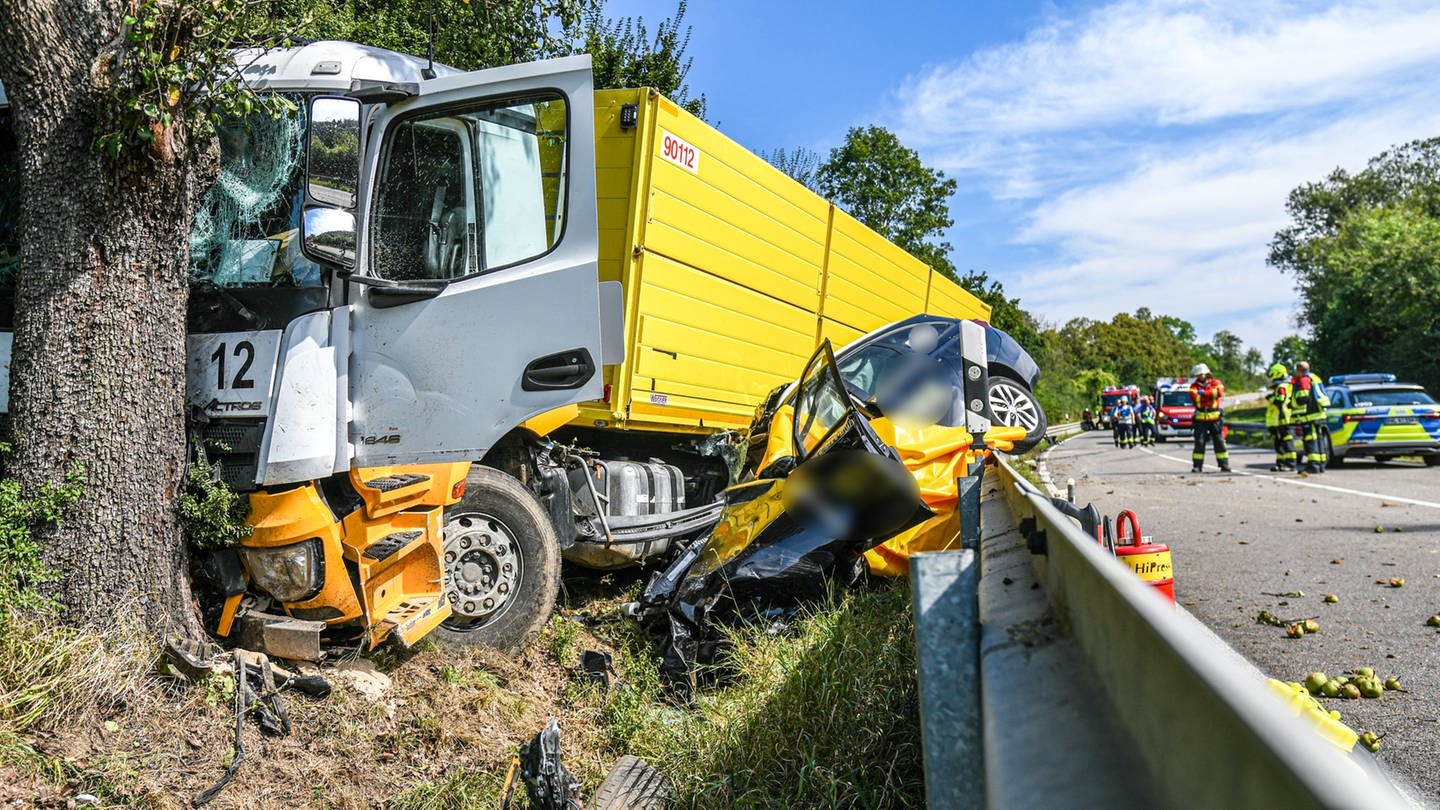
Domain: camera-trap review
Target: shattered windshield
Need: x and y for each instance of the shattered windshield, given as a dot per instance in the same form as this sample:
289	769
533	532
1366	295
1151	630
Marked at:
246	231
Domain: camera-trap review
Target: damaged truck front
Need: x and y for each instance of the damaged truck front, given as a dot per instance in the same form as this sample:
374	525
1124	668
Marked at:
445	327
385	284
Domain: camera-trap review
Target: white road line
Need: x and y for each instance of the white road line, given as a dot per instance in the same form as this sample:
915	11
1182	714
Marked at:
1297	482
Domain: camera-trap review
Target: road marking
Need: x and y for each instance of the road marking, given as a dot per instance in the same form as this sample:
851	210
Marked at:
1296	482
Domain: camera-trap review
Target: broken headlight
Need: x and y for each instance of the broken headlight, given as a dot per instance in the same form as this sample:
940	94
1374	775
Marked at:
290	573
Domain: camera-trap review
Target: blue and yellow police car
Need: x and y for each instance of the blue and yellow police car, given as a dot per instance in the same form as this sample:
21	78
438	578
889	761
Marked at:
1373	415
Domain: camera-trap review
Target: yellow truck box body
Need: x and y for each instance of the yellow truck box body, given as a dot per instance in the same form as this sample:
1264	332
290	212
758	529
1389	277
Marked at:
733	272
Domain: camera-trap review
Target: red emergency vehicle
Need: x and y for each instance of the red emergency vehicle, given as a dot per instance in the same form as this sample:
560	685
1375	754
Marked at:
1176	411
1110	397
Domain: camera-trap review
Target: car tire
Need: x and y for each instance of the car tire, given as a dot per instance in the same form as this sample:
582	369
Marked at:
1330	457
1432	460
1015	405
498	522
633	785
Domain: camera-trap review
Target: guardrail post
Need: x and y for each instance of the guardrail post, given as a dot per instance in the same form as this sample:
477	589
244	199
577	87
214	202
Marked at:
969	490
944	588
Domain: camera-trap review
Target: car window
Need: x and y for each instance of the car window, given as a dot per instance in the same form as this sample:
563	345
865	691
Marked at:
1390	397
1339	398
864	370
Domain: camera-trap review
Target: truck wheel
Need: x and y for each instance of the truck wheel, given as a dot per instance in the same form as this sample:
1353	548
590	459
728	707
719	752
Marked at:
502	563
1015	405
633	785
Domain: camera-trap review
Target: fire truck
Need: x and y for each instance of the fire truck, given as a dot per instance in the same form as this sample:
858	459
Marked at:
1176	411
1110	397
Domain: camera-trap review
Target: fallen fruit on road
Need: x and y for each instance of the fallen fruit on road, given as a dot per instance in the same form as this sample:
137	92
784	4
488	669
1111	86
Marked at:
1266	617
1379	529
1331	688
1331	599
1371	741
1371	688
1364	672
1316	680
1311	626
1433	621
1393	685
1397	582
1295	631
1350	691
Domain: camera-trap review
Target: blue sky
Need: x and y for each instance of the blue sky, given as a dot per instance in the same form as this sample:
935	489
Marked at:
1109	155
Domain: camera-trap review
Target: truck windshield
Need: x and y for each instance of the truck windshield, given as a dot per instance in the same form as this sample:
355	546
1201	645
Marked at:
1175	399
1111	400
246	231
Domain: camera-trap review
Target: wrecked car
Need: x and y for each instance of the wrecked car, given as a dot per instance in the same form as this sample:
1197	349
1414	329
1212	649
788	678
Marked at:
828	483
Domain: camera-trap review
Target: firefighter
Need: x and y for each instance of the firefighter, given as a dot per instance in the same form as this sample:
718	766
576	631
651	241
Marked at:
1280	417
1310	404
1205	393
1146	418
1122	418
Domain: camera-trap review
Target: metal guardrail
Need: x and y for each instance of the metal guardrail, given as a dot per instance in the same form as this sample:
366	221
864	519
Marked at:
1061	430
1092	691
1247	427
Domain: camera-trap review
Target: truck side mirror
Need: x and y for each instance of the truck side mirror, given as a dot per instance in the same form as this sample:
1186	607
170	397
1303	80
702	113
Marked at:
332	170
328	235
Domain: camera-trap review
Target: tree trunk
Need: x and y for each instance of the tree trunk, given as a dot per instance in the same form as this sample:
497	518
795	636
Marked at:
98	370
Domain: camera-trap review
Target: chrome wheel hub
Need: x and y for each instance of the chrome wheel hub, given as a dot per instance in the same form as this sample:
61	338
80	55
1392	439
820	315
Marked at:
1013	407
482	567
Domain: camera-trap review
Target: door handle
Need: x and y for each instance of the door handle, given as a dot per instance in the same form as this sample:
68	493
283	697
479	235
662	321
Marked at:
559	371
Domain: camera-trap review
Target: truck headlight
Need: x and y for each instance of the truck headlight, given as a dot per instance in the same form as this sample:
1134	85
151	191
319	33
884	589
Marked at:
290	573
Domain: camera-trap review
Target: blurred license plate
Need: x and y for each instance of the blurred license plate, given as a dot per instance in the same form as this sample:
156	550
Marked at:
1402	420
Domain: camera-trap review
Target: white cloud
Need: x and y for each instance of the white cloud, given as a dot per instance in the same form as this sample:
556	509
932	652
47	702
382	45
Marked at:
1152	144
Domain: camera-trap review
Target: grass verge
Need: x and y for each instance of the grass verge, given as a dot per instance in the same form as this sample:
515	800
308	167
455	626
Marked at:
822	715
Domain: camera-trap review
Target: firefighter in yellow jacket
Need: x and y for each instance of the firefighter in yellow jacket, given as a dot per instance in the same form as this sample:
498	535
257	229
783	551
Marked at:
1310	404
1280	417
1206	392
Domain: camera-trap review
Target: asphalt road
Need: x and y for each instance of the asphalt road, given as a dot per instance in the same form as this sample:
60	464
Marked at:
1239	540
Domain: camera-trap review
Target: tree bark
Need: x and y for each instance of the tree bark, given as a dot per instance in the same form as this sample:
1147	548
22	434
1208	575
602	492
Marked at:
98	369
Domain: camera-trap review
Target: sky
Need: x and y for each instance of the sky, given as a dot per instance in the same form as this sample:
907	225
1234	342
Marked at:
1109	156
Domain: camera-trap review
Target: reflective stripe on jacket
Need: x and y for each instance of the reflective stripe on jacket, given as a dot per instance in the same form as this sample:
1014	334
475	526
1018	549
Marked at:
1279	408
1206	398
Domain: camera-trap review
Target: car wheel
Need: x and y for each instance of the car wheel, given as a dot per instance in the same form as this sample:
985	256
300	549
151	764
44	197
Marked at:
1014	405
1432	460
1330	457
502	563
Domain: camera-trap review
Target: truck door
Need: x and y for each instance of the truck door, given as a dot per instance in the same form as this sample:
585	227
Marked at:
475	300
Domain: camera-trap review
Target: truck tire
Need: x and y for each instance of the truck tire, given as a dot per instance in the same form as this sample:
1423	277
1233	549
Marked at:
502	563
633	785
1015	405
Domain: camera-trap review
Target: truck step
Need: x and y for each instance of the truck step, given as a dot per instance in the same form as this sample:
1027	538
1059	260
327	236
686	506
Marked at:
410	620
390	483
389	544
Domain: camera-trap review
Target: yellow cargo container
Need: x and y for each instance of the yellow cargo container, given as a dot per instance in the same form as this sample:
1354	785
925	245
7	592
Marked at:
732	271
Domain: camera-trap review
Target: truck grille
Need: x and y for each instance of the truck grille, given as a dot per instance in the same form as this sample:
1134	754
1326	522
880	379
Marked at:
235	447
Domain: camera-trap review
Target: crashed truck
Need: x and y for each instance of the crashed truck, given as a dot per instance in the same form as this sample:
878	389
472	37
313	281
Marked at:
446	328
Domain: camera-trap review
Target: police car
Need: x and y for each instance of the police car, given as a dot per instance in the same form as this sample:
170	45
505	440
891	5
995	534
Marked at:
1373	415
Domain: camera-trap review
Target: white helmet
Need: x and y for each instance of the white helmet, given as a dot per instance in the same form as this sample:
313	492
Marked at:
1199	369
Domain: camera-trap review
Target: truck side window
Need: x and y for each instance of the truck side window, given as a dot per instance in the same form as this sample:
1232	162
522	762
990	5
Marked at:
464	191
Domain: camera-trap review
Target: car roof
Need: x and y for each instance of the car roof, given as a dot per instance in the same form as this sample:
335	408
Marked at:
1381	387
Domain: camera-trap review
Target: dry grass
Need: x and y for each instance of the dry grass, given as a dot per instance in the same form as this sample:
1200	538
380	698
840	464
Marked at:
821	716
